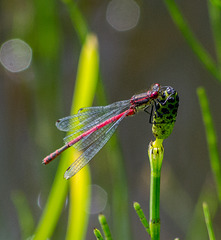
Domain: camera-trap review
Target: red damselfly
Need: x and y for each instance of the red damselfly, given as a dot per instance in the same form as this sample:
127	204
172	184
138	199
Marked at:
92	127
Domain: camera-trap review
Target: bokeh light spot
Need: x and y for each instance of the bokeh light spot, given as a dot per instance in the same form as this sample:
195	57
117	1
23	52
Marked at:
98	199
123	15
15	55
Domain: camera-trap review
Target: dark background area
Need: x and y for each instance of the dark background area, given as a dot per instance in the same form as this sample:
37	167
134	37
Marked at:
154	51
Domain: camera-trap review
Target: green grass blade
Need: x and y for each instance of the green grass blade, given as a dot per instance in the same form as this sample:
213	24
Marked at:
77	19
25	218
120	198
216	3
120	207
208	221
215	19
105	227
141	216
54	204
84	94
97	234
196	229
196	46
211	138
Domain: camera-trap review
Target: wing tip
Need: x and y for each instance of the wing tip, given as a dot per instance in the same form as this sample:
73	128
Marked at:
57	122
66	174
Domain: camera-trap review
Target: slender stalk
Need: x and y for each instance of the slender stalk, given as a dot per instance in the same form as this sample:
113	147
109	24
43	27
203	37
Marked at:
211	139
105	227
215	20
155	153
141	216
84	93
86	83
97	234
25	218
208	221
120	189
191	39
77	19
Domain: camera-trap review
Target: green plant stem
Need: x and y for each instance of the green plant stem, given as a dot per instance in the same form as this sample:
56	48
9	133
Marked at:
83	94
77	19
155	153
141	216
154	206
97	234
120	207
105	227
211	139
215	20
196	46
85	88
208	221
53	206
25	218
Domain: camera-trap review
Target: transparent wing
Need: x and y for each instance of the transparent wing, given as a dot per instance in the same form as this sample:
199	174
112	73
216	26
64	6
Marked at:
93	149
88	140
83	116
87	117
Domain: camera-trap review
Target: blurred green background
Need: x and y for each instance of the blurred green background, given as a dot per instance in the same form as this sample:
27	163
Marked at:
138	47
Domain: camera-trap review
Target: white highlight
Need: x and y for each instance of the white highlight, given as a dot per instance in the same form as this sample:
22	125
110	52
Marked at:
15	55
123	15
98	199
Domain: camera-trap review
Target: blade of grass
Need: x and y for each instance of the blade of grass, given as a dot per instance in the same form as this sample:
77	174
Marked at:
105	227
120	189
84	93
215	20
25	217
141	216
208	221
120	198
54	204
77	19
196	46
211	139
196	229
97	234
79	185
217	3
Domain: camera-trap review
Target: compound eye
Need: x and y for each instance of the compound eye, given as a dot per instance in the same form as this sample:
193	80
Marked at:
156	87
170	90
154	95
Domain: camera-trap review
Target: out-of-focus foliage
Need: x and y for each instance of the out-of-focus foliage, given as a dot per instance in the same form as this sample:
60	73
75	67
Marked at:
132	57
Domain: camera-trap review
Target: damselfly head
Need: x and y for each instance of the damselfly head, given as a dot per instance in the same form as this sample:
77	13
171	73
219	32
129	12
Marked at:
154	92
155	87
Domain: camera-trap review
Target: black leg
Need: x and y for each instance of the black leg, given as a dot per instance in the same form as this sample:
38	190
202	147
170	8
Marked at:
151	115
166	100
145	109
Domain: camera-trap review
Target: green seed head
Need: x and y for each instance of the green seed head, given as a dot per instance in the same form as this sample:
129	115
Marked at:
165	113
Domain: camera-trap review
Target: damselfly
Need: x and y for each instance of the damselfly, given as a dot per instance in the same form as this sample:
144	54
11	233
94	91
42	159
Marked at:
91	128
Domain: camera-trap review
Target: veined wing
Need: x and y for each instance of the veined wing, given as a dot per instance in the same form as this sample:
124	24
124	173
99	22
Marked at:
93	149
90	116
87	140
